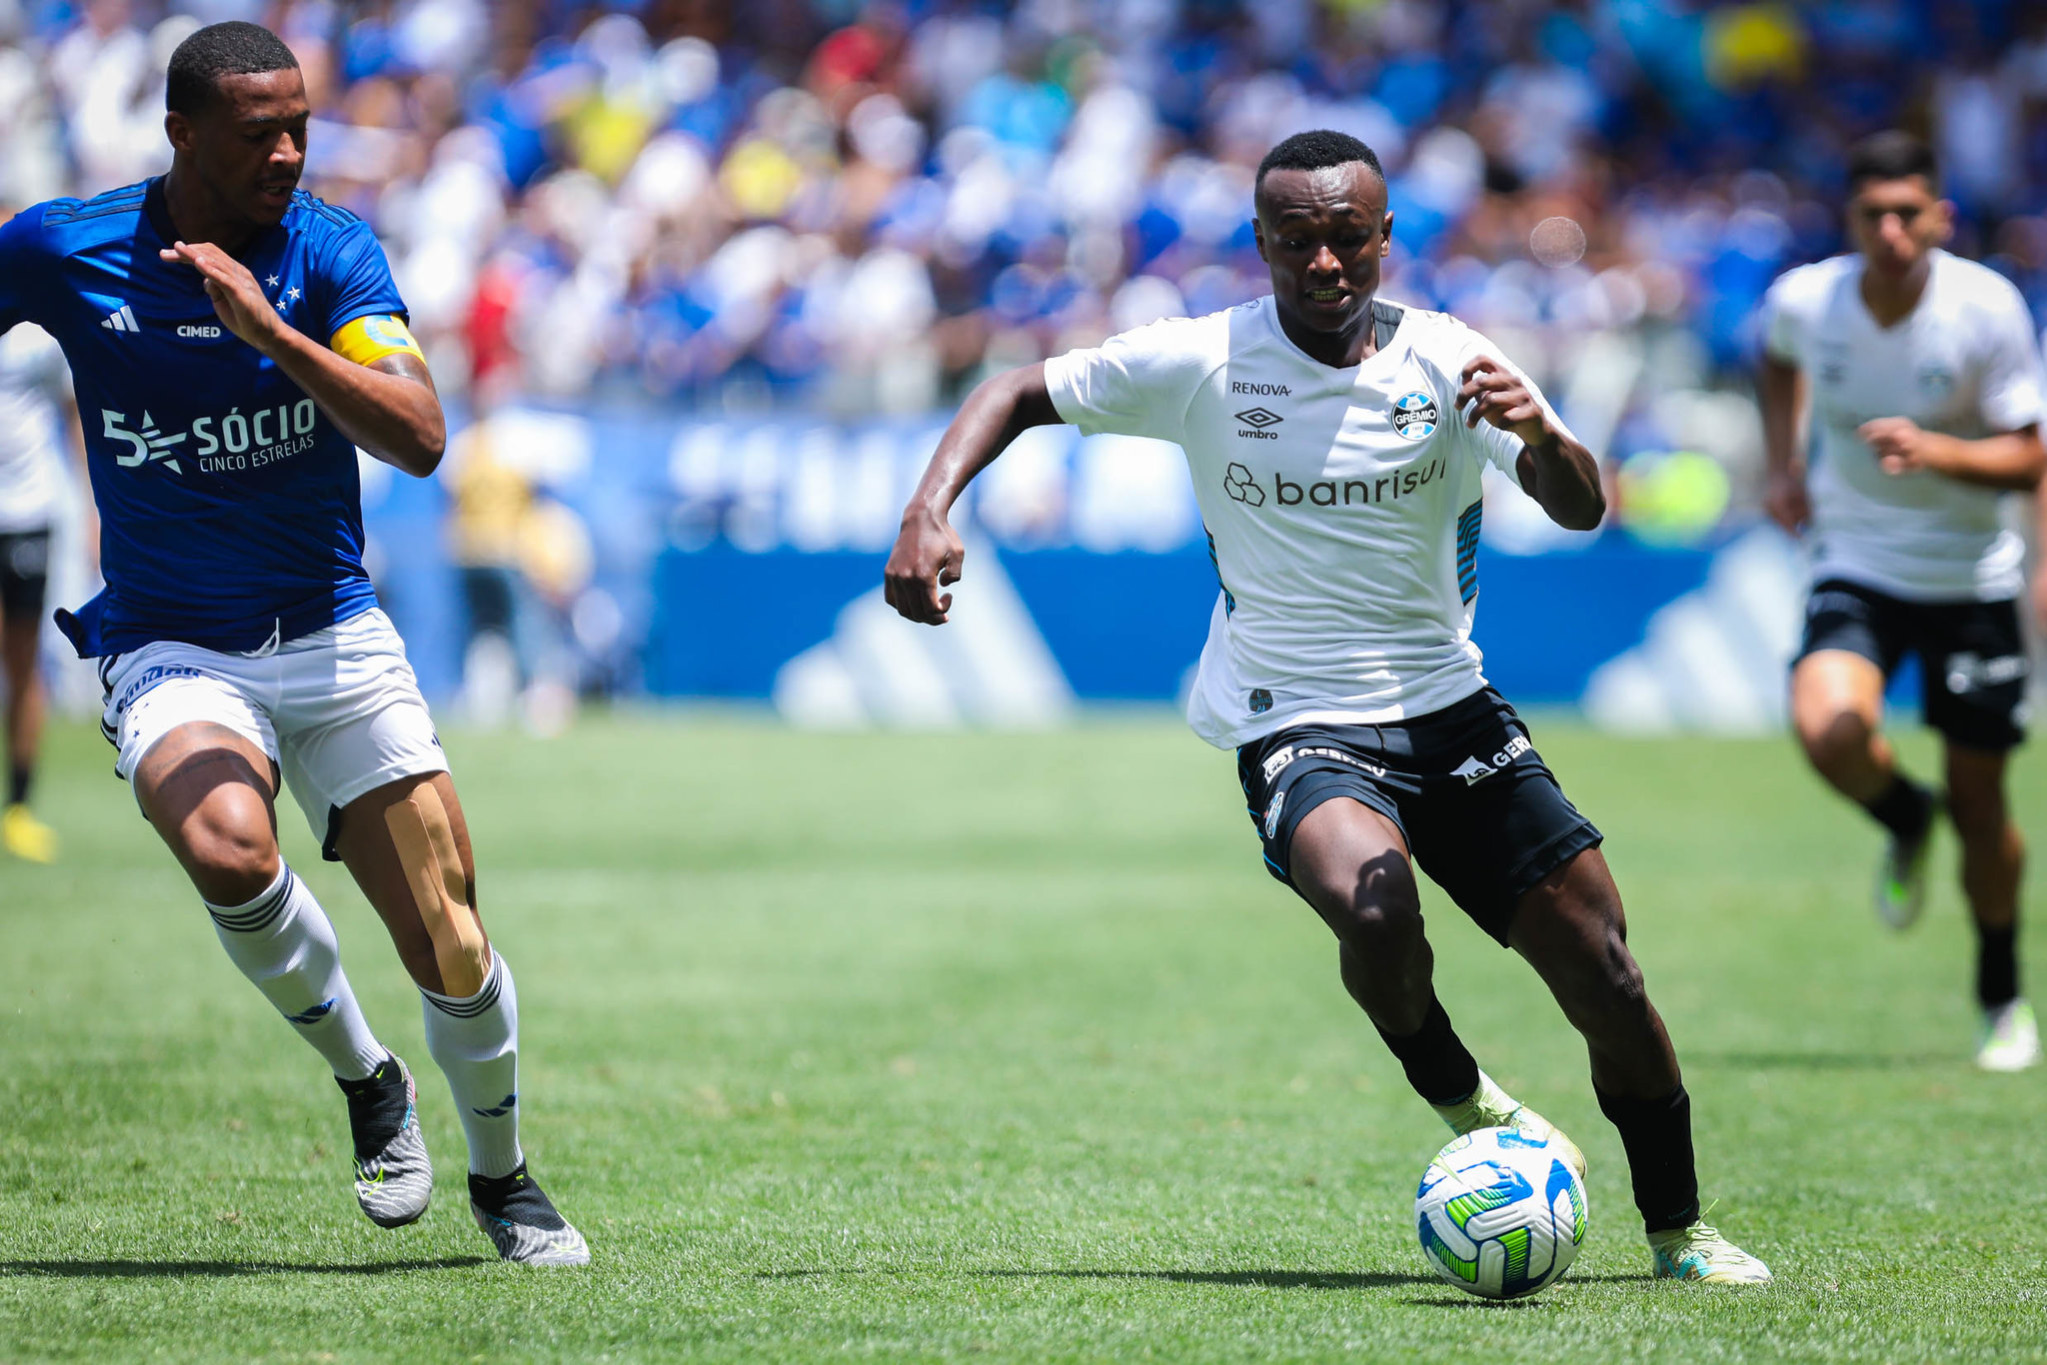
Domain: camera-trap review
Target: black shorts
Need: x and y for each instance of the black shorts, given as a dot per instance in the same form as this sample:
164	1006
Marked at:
1972	658
24	572
1481	812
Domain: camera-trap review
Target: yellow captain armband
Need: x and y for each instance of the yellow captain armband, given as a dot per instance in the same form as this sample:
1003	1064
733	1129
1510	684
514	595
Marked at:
370	338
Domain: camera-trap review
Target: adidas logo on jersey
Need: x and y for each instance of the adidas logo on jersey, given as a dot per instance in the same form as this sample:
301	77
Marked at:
120	320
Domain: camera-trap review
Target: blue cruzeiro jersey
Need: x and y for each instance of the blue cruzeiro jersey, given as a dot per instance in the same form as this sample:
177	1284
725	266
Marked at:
230	506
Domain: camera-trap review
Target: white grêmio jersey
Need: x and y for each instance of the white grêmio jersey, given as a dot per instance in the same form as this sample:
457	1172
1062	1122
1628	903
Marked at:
1962	362
33	378
1342	507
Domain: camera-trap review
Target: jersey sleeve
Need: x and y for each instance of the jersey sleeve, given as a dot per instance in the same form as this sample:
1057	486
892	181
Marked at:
356	279
1137	383
1489	444
21	264
2010	390
1784	318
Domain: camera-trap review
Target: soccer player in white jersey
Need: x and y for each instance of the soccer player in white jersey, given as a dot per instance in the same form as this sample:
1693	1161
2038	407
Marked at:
1917	378
234	340
34	419
1336	442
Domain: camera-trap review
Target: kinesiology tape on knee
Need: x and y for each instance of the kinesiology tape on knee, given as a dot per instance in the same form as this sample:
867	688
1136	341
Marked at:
425	840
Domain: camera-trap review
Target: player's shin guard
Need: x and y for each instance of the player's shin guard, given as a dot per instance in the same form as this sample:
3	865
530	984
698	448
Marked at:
1657	1135
475	1040
285	944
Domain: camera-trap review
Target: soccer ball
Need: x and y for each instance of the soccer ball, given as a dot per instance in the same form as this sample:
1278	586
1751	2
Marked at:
1501	1215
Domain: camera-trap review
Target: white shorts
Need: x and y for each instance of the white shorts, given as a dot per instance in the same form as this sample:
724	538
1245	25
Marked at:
338	711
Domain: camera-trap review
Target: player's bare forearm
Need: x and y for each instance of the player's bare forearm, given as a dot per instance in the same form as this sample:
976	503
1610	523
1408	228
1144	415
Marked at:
1779	389
2013	461
995	414
1554	468
928	554
1780	393
1560	474
389	408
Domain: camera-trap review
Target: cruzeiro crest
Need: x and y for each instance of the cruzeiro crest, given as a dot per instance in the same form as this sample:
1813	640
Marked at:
1414	416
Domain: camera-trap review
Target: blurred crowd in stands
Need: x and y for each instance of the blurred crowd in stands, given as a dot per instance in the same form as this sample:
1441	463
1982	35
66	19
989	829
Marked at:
859	208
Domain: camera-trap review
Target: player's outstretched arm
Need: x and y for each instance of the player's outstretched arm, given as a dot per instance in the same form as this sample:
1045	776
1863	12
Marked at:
1555	468
928	554
389	408
1780	392
2014	460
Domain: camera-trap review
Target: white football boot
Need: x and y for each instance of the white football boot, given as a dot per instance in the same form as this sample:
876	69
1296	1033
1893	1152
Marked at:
1492	1107
1701	1255
2011	1038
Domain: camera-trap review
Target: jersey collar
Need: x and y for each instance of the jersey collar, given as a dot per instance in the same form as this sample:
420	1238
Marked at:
156	208
1386	320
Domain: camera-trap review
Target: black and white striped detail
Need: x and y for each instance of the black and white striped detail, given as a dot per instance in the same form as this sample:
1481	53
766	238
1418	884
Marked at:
260	913
468	1007
1467	550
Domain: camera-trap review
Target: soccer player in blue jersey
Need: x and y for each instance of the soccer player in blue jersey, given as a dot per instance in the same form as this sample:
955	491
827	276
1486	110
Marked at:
232	340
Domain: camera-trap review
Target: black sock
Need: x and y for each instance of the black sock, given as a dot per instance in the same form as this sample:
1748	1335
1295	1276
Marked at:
1434	1058
1904	808
377	1105
1657	1135
1997	965
19	775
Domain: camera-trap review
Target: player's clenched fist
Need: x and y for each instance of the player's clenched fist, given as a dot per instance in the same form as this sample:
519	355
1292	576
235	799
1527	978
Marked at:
237	299
1494	393
927	557
1901	445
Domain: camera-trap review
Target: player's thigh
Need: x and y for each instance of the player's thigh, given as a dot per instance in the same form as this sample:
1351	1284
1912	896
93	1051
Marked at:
1492	822
197	748
209	792
1975	781
1327	814
1349	861
406	843
1853	640
350	720
24	577
1975	673
1571	928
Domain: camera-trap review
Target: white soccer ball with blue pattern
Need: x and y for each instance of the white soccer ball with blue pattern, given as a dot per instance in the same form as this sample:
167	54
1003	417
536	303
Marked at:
1501	1213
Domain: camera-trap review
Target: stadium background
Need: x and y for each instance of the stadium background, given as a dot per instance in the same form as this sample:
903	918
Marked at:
926	1046
701	281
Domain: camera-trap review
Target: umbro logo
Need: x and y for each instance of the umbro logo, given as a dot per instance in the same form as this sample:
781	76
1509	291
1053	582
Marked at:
120	320
1259	417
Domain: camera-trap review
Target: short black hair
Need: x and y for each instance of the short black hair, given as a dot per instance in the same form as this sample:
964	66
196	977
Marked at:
234	48
1891	155
1315	150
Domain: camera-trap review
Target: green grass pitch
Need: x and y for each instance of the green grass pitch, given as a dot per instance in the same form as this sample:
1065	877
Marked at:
997	1047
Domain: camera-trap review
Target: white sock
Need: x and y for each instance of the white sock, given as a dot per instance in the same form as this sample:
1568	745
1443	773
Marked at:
475	1041
285	944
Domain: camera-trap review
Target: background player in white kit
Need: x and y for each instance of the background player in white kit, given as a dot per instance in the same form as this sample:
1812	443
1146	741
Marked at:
1341	493
35	418
1922	381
